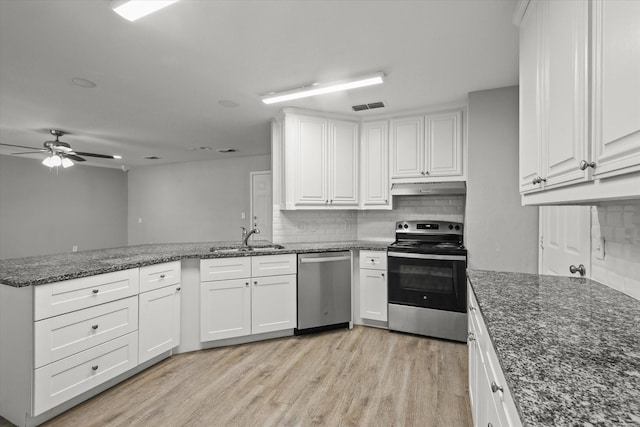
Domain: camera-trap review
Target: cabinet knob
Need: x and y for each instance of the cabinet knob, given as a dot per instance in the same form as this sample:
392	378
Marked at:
579	269
472	308
94	367
381	274
94	327
326	202
538	180
162	276
95	291
471	337
584	165
255	282
178	288
495	387
246	283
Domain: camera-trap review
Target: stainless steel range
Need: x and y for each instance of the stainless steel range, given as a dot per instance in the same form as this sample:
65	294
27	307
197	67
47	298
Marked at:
427	288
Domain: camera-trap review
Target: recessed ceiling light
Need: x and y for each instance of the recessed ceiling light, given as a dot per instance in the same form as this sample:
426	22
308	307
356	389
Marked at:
228	103
226	150
82	82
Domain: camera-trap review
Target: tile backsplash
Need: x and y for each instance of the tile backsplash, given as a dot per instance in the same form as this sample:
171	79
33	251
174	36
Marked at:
619	225
318	226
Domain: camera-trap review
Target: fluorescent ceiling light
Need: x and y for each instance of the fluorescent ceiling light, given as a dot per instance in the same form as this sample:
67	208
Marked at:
322	88
135	9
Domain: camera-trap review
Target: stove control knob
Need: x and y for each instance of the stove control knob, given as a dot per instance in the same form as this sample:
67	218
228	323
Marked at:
399	225
450	227
457	227
406	226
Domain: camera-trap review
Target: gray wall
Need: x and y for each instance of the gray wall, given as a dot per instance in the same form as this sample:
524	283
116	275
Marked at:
44	211
191	202
500	234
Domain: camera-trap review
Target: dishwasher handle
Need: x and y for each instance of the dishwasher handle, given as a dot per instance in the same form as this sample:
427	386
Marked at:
324	259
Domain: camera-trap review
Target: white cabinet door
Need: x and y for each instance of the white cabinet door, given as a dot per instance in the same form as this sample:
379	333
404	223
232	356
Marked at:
530	89
374	148
373	294
616	86
443	153
273	303
343	163
159	328
407	147
311	169
225	309
565	103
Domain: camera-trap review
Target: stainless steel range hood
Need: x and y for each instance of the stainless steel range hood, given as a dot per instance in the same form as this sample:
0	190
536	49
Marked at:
430	188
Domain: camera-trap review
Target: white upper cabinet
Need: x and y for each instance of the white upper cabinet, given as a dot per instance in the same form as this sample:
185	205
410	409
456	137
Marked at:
579	101
616	86
319	162
374	165
427	148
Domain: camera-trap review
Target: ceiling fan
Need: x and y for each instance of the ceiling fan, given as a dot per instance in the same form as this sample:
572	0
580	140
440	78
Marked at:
60	153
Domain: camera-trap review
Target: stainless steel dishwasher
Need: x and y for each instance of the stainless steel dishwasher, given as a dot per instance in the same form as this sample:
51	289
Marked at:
324	291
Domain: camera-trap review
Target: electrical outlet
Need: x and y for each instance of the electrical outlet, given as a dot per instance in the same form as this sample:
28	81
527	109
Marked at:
140	220
242	215
74	248
599	249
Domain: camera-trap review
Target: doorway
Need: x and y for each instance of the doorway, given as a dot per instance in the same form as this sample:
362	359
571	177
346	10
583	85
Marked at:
261	209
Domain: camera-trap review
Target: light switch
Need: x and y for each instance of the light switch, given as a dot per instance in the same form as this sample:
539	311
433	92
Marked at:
242	215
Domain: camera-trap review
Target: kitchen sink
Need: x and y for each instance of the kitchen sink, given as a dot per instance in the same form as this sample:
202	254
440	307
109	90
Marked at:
246	249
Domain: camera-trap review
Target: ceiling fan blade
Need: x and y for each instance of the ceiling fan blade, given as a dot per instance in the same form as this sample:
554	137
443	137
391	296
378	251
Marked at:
31	152
22	146
76	158
102	156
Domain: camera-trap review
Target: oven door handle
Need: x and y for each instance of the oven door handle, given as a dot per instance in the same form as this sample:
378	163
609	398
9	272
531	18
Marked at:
427	256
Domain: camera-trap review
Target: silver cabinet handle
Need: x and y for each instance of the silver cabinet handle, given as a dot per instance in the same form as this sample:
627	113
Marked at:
373	261
324	259
495	387
255	282
162	276
94	327
584	165
178	288
538	180
471	337
579	269
246	283
95	291
94	367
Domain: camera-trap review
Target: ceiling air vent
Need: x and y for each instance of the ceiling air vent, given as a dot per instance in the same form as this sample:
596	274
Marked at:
370	106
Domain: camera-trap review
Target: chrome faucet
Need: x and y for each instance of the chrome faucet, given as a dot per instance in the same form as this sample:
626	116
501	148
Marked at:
246	234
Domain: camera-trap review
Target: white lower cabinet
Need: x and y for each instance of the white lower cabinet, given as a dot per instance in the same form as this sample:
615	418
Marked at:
257	296
159	328
373	285
492	404
60	381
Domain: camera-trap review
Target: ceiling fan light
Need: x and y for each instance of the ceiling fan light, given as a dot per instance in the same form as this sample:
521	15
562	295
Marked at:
55	160
47	162
136	9
66	162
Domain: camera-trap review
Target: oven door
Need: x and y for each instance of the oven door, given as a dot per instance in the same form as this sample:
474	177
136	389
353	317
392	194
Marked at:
428	280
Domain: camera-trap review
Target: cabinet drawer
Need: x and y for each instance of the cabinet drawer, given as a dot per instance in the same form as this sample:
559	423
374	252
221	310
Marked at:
225	268
159	275
375	260
273	265
61	336
57	298
60	381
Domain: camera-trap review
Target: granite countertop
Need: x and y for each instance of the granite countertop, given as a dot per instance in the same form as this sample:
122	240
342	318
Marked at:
38	270
569	347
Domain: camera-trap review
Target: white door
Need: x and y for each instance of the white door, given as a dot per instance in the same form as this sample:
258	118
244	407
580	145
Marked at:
565	239
225	309
407	147
343	163
261	204
273	303
159	328
443	154
616	86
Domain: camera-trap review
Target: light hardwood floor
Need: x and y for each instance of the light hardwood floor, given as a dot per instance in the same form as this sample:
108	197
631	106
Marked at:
362	377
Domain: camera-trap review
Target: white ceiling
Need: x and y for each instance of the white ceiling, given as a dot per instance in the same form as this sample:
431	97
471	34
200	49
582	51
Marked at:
160	79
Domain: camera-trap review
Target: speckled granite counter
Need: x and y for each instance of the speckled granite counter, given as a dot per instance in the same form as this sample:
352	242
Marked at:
38	270
569	347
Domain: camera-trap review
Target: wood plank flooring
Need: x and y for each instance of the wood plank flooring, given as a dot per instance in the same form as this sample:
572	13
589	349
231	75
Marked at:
362	377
